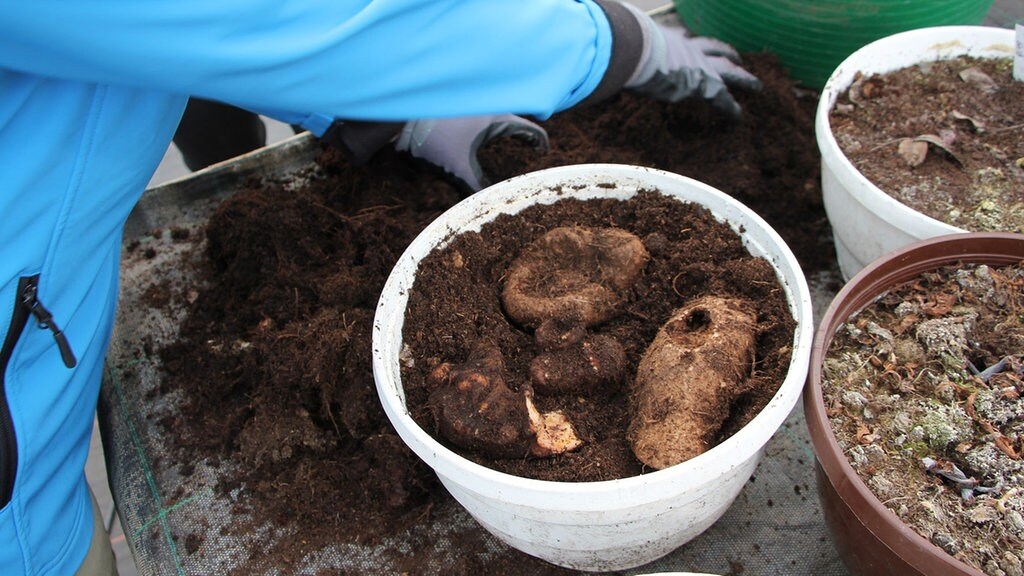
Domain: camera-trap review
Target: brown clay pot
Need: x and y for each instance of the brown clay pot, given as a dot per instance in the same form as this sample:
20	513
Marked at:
871	539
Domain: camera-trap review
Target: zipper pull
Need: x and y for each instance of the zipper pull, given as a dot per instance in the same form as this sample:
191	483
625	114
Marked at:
45	320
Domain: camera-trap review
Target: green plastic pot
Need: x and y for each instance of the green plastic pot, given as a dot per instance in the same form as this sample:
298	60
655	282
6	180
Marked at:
811	37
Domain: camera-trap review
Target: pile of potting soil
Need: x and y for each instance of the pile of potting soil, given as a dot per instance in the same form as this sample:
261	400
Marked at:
271	371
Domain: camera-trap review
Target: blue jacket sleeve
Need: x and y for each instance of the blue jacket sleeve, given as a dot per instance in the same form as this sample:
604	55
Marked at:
316	123
357	59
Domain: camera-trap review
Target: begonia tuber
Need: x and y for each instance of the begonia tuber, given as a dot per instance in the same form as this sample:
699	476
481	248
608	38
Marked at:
573	272
689	378
573	361
475	409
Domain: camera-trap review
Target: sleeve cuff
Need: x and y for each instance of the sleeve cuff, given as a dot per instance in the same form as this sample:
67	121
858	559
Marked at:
627	48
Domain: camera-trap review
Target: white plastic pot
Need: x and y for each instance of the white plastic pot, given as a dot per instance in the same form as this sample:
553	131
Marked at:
610	525
867	222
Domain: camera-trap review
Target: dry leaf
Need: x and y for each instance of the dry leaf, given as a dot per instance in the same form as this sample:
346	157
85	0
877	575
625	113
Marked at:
976	125
941	144
913	151
979	79
864	435
939	305
1004	445
934	140
908	321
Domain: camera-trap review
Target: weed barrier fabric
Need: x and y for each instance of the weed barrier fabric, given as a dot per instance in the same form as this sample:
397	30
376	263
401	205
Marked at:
176	521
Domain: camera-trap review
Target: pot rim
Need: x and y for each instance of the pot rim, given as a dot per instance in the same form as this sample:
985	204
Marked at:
901	265
646	487
900	50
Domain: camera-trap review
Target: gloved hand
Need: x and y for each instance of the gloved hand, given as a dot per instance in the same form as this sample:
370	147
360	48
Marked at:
452	144
663	62
675	66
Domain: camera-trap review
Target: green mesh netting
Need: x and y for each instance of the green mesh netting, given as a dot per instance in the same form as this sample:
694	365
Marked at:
812	37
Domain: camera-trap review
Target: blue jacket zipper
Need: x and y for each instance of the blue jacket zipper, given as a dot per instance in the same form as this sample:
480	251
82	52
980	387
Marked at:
26	306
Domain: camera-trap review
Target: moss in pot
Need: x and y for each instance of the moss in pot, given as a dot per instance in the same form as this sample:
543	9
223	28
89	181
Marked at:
917	447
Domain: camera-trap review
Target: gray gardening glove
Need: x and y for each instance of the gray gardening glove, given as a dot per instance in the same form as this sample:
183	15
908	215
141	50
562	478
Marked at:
452	144
664	63
359	140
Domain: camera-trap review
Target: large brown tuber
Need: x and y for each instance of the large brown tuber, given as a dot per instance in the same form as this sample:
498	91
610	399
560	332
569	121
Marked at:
688	379
475	409
573	272
573	361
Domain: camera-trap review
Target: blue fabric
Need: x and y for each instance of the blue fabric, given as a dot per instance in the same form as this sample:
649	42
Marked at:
317	124
90	94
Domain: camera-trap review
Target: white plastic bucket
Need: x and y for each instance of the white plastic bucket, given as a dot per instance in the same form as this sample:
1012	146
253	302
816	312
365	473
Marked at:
611	525
867	222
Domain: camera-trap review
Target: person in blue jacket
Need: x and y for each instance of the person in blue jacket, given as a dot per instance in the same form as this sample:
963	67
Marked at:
91	92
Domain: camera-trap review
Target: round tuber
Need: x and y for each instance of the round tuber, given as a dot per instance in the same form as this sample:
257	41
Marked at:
575	362
573	272
475	409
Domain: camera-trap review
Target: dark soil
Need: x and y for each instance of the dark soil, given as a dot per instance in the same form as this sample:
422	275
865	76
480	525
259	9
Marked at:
923	389
455	304
945	138
273	363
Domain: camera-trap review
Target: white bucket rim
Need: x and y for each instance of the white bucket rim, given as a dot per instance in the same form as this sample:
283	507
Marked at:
513	195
